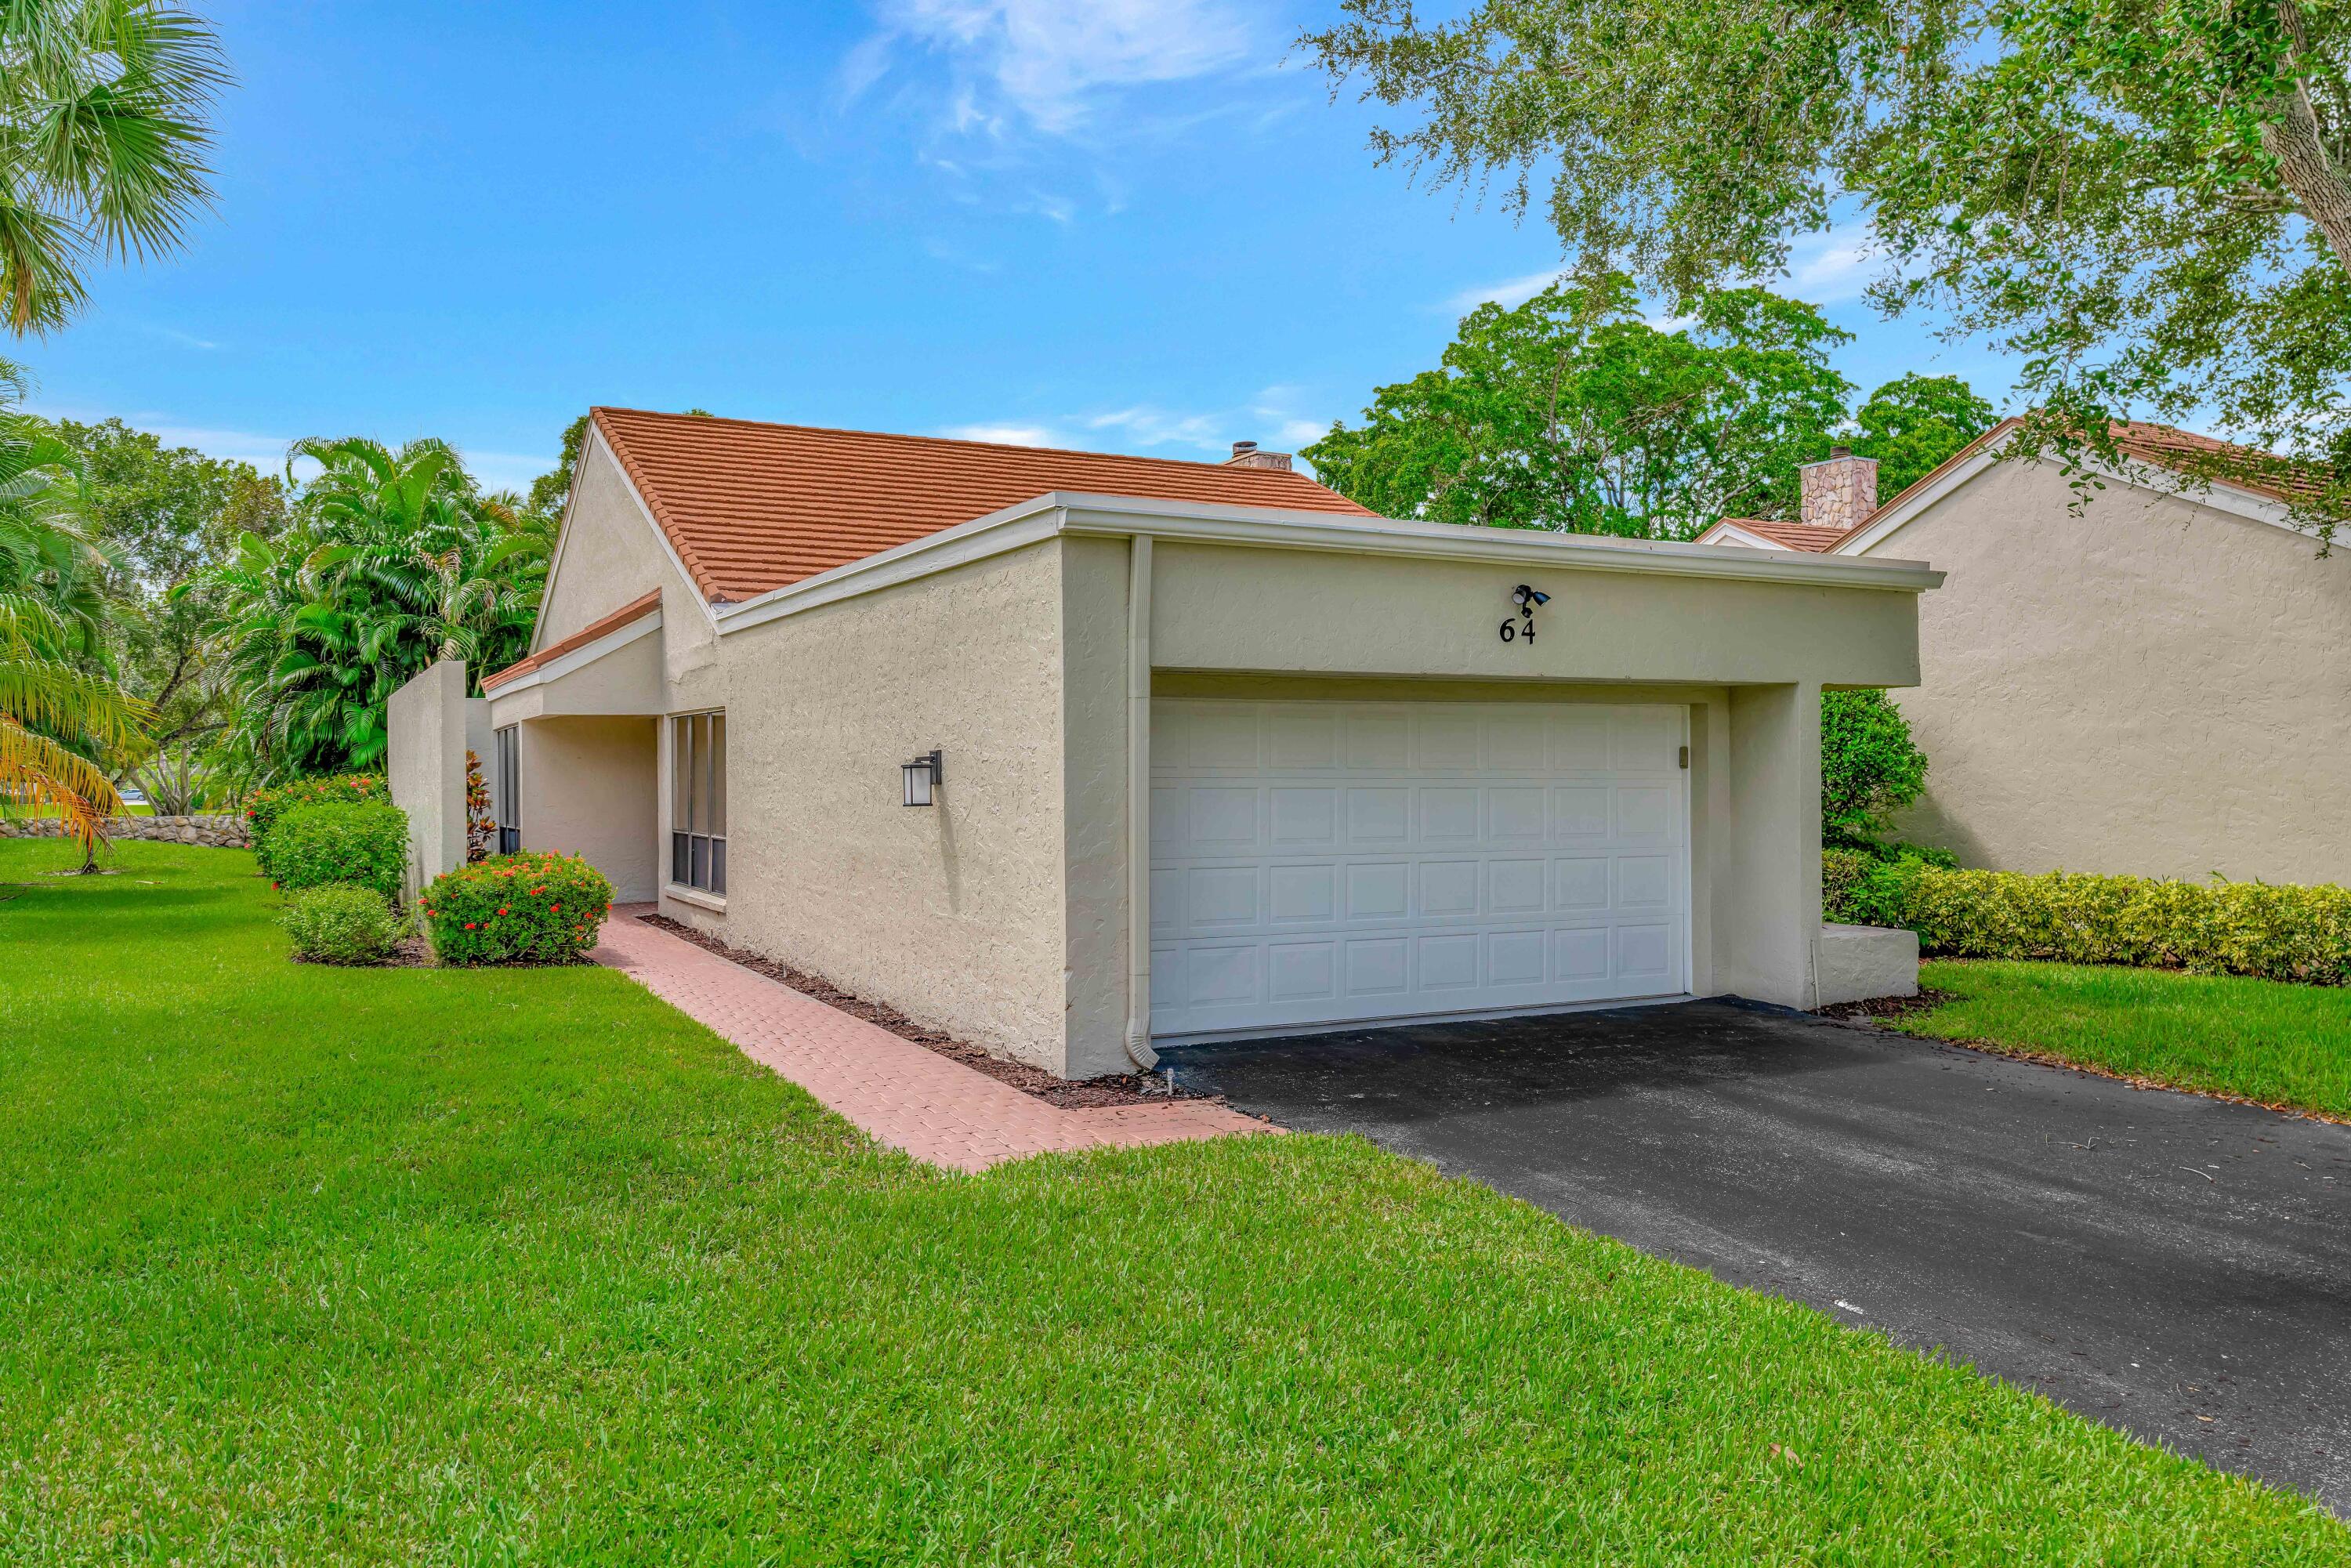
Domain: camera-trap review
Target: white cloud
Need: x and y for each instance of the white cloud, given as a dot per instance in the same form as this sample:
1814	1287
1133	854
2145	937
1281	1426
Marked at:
1052	60
1148	426
1510	294
1004	434
1832	267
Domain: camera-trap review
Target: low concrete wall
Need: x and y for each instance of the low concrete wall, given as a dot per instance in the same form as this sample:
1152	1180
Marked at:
1861	962
216	830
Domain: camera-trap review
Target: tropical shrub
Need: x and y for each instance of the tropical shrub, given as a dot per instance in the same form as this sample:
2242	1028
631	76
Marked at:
1870	767
2226	927
325	846
527	908
342	925
263	807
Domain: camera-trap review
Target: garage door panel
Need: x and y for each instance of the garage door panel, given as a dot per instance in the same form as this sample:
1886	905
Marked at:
1302	892
1303	738
1320	862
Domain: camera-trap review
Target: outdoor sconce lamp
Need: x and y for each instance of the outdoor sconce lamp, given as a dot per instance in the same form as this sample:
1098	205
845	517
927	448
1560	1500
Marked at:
924	776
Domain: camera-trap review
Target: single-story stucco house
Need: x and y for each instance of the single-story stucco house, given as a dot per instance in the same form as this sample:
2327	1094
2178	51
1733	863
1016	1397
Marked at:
2156	681
936	719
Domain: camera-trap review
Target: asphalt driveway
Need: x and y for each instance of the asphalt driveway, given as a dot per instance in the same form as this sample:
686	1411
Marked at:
2171	1265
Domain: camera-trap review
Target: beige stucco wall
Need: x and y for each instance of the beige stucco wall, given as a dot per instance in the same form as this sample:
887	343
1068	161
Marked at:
2154	686
589	789
953	914
429	724
609	556
1221	607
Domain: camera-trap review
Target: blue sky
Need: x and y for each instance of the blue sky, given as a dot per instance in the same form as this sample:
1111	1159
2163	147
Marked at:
1131	224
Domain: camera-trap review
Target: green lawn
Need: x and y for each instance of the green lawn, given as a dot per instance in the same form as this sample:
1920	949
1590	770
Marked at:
303	1265
2261	1039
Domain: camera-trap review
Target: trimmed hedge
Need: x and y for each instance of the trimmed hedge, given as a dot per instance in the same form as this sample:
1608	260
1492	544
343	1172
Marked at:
325	846
263	808
2301	934
341	925
527	908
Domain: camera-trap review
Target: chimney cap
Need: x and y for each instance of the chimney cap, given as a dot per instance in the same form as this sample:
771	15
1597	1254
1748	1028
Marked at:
1840	450
1243	448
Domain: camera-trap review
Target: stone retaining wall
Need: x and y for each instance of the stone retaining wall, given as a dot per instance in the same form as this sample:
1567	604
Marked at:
220	831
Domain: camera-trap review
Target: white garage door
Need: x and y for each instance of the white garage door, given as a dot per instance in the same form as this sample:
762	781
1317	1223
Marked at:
1320	862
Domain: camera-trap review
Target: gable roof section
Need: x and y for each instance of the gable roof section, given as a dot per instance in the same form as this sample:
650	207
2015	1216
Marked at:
2162	446
1809	536
635	610
750	507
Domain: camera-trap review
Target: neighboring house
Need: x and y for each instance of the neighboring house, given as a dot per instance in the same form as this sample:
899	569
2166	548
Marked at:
2156	682
1319	746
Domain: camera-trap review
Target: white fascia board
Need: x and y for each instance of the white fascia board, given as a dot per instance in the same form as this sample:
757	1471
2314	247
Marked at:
585	654
1064	514
2217	493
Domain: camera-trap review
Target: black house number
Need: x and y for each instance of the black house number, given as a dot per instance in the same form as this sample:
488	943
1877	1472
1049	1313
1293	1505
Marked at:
1520	628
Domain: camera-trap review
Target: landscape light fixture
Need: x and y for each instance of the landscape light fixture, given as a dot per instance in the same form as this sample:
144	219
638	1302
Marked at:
924	776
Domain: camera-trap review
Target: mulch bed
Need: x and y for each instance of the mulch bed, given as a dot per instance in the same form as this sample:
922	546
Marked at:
1871	1008
1123	1089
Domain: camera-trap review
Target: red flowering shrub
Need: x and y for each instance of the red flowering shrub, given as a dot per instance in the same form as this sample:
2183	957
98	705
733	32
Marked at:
527	908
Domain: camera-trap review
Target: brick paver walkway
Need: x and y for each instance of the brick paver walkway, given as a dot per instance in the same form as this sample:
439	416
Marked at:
936	1109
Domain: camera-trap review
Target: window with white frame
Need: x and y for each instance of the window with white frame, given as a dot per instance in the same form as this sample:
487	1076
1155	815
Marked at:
506	788
698	801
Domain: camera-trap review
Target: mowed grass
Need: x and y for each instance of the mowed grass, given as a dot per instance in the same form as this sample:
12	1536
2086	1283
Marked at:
305	1265
2261	1039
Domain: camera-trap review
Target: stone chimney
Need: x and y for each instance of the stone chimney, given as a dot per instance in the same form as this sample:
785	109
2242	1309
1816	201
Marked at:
1838	493
1247	455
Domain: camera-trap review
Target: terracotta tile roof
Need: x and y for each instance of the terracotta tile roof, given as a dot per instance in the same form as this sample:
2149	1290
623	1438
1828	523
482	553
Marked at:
750	508
1790	536
579	639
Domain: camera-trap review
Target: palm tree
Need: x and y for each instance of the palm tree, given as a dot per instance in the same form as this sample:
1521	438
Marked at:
58	710
102	142
394	561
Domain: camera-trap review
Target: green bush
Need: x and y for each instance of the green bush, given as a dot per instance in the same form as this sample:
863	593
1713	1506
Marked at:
2228	928
1870	767
263	808
322	846
527	908
341	925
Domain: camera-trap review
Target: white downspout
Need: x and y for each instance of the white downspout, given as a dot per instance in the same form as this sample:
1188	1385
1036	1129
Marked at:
1138	804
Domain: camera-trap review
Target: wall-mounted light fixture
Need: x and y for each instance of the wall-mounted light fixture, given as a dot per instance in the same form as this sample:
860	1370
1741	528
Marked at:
924	776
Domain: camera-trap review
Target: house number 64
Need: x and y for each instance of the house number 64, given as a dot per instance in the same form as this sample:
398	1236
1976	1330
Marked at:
1520	628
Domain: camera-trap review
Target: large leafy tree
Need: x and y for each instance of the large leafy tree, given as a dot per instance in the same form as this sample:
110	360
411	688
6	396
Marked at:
164	514
2147	201
1912	423
394	559
1572	412
103	142
60	715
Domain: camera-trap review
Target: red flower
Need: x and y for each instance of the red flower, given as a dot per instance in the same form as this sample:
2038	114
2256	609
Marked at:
469	925
555	909
502	909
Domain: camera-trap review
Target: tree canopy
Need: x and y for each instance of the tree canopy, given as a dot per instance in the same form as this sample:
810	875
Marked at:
103	142
392	560
1572	412
2147	201
60	715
